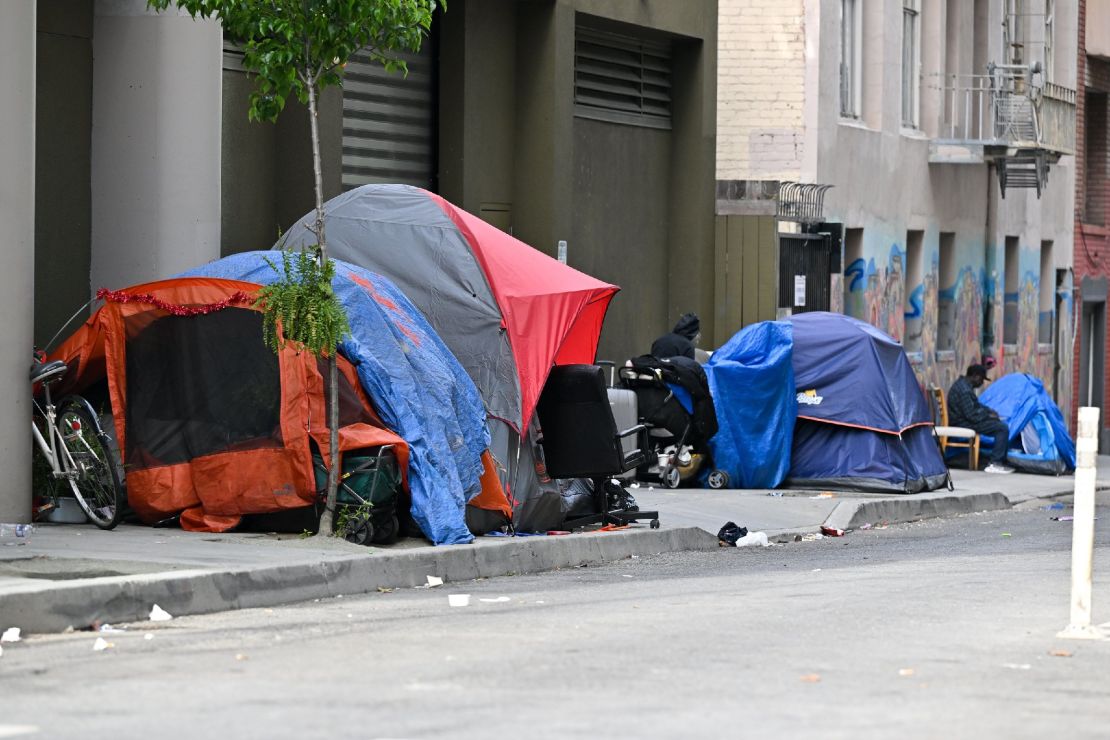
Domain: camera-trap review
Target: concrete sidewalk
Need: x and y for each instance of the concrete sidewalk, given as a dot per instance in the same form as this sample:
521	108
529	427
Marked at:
76	575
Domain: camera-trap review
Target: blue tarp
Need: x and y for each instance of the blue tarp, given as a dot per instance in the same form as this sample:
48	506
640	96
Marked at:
417	386
1039	435
751	379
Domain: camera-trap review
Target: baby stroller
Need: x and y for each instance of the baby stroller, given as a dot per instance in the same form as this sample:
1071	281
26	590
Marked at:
673	401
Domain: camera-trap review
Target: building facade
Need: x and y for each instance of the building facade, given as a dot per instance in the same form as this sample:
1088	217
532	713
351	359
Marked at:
130	157
935	142
1092	206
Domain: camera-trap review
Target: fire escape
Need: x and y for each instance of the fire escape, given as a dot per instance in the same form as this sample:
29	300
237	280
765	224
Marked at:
1011	118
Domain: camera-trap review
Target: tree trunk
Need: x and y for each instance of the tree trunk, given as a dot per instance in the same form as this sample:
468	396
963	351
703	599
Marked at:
327	519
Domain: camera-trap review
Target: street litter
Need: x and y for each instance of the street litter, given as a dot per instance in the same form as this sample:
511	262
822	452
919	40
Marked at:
1007	534
109	628
158	614
433	581
826	494
384	590
776	494
811	678
1017	666
753	539
730	533
240	656
102	644
148	636
458	599
11	634
626	575
1064	518
905	671
1060	653
1053	506
832	531
498	600
867	525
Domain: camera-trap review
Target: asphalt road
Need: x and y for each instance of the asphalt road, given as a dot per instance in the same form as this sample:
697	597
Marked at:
940	629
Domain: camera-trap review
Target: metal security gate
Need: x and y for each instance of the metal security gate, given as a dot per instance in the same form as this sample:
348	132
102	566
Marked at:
807	262
389	121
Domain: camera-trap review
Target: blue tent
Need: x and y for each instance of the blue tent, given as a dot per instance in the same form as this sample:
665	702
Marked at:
863	422
417	386
1039	439
848	409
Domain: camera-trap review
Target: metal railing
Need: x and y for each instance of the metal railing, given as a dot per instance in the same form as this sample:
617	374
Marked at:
802	202
1009	106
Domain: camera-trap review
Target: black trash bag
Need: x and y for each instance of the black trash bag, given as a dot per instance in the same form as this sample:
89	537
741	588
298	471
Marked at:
578	497
730	533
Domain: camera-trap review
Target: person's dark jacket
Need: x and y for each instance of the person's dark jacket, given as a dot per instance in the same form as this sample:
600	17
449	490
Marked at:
964	407
679	342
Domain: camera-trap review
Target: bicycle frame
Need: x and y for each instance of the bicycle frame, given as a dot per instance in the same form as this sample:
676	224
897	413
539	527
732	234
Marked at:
62	465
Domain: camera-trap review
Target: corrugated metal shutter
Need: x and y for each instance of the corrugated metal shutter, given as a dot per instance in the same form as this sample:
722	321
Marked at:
389	122
621	78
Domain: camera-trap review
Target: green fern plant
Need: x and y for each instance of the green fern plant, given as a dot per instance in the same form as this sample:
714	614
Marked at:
300	308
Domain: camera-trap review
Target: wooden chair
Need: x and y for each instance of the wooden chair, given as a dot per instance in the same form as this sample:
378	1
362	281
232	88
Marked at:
959	437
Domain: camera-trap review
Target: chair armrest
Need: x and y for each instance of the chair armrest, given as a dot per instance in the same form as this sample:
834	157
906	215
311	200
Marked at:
639	455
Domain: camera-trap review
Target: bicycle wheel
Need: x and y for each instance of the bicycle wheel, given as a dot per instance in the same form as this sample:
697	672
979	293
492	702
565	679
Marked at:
96	479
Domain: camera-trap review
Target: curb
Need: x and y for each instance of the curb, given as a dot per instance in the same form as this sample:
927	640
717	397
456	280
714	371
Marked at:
853	514
55	606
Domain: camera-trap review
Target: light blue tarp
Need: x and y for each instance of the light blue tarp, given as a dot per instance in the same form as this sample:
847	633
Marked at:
751	379
417	386
1040	442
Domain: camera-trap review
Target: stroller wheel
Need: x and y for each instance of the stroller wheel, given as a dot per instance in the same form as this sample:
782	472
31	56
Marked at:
360	533
718	479
671	477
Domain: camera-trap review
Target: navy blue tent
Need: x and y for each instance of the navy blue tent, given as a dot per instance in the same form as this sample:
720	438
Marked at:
1039	439
863	422
822	401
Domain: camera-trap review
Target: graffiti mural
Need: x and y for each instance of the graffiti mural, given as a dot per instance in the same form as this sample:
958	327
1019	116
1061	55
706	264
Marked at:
877	294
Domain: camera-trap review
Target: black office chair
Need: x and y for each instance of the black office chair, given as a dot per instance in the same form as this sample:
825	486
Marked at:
580	440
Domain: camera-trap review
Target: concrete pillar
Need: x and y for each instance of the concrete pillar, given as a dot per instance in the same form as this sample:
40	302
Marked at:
155	143
17	249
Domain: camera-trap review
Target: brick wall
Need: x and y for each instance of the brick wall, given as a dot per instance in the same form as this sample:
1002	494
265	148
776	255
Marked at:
760	89
1092	185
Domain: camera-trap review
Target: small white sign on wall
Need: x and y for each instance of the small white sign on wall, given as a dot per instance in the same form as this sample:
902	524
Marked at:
799	290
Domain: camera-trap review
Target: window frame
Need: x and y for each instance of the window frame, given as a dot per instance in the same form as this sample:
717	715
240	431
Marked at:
851	59
911	64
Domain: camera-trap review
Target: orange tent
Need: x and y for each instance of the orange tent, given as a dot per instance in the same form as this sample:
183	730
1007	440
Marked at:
210	422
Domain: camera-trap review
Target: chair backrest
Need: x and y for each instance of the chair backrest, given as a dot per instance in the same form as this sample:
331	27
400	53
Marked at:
941	405
579	433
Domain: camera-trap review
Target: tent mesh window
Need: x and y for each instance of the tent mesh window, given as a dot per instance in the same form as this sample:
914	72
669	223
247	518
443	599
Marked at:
622	79
199	385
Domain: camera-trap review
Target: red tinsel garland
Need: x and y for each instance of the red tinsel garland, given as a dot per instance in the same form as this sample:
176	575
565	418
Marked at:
237	298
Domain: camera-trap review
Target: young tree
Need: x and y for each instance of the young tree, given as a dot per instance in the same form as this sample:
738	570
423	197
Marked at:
299	47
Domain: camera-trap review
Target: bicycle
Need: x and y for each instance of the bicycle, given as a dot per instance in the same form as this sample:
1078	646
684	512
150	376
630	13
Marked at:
78	450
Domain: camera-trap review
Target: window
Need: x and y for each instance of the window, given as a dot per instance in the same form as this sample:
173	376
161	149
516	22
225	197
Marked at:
1095	158
1049	39
911	61
851	58
946	293
1047	303
1010	292
1013	31
622	79
914	290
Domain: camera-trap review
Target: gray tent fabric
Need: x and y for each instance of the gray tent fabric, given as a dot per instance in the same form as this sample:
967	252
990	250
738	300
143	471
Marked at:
396	231
399	232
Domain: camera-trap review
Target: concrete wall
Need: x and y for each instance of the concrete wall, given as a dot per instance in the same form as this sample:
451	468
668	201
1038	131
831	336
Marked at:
635	205
885	186
155	143
63	198
17	234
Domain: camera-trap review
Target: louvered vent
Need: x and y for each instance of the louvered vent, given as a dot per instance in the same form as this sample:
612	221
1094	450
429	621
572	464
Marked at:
622	79
389	122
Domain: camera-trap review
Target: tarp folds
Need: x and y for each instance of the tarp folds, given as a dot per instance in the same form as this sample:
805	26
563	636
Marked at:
1039	439
751	379
416	384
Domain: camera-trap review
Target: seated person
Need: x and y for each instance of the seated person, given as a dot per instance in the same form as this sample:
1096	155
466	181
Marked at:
680	341
966	410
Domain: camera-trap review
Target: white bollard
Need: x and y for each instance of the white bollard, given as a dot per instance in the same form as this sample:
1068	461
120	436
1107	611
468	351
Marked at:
1083	532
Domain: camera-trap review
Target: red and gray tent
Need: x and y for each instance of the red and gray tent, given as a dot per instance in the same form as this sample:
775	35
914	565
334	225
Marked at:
507	311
